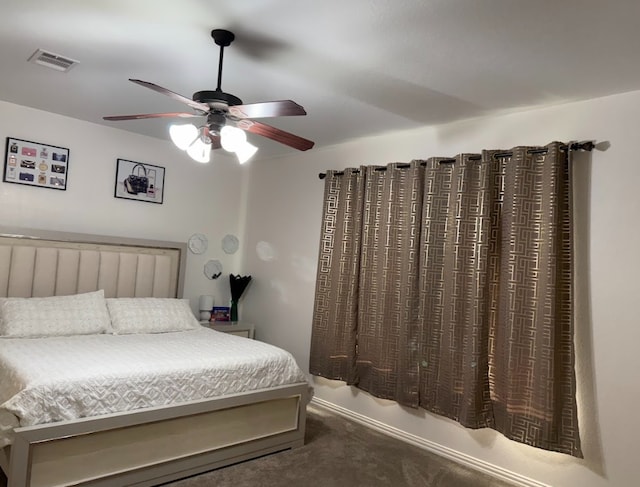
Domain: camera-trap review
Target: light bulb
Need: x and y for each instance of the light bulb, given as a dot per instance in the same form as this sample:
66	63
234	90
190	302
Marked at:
183	135
200	151
231	138
245	152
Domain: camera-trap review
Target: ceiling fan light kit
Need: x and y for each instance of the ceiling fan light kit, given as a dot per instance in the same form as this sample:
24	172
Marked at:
200	150
227	119
232	138
183	135
245	152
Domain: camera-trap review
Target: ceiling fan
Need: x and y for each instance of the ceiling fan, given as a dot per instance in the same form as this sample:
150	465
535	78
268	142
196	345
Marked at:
227	118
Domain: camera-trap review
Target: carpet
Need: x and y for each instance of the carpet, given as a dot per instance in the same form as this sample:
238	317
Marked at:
339	452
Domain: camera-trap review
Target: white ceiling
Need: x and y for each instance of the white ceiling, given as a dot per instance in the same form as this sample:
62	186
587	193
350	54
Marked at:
359	67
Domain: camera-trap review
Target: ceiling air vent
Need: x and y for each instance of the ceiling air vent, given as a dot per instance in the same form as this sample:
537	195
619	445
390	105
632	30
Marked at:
53	61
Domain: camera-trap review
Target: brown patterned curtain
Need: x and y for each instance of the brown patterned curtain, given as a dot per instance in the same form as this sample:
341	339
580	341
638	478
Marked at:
447	285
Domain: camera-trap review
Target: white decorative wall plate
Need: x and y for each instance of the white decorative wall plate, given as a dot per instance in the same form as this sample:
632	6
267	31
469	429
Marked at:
230	244
213	269
265	251
198	243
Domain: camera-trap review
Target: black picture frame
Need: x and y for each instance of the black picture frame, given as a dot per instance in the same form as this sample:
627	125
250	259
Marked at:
139	181
36	164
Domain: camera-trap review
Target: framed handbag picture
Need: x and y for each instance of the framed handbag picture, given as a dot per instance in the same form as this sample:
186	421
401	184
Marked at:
139	181
36	164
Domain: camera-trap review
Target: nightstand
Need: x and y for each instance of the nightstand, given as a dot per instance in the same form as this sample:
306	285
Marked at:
238	328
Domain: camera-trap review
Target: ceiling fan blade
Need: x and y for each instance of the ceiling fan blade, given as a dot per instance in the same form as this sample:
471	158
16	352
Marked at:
152	115
276	134
193	104
280	108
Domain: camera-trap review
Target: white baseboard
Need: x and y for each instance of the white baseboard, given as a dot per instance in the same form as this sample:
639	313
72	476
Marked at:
467	460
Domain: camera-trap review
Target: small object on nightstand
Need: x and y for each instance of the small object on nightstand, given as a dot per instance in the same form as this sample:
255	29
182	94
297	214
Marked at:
220	313
238	284
205	307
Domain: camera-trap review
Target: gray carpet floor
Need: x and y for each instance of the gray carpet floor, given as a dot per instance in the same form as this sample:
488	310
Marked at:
339	452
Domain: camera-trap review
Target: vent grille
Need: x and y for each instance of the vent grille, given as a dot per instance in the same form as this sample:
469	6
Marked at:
53	61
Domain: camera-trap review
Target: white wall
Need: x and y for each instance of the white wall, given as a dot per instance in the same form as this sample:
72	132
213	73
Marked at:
284	207
205	198
284	210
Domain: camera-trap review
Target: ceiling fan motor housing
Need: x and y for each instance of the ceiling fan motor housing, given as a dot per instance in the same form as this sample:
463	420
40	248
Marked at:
215	121
213	97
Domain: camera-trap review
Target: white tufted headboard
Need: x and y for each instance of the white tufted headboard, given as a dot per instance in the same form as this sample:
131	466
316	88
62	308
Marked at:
44	263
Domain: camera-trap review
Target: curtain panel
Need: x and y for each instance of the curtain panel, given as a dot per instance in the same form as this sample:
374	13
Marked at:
446	284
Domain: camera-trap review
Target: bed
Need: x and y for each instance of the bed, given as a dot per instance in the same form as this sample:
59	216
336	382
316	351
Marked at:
173	426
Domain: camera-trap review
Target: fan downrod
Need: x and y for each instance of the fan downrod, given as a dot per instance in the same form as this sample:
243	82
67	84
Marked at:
222	38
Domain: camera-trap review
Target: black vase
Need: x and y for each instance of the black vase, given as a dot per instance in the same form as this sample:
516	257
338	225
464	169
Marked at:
234	311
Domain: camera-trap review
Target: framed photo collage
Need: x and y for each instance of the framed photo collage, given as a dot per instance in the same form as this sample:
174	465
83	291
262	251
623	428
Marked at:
35	164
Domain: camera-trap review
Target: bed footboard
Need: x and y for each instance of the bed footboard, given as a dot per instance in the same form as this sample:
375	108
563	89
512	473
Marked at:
152	446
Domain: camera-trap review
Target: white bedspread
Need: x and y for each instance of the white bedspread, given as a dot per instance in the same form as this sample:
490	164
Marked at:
45	380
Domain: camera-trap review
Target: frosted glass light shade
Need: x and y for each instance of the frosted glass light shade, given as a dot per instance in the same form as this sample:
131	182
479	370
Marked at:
245	152
231	138
200	151
183	135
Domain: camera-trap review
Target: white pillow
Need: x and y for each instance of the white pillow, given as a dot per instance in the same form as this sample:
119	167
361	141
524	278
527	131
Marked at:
150	315
78	314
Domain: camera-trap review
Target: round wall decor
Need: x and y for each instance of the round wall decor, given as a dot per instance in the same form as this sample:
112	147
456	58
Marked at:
213	269
198	243
230	244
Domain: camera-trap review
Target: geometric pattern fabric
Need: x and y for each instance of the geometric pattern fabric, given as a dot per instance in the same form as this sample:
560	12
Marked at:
447	284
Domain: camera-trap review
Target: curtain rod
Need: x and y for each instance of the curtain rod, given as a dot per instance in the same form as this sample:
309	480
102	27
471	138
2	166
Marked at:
587	145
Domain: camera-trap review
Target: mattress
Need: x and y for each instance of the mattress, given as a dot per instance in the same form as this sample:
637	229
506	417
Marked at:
44	380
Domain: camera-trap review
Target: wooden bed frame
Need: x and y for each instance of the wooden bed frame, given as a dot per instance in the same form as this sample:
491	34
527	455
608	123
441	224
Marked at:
148	446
